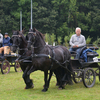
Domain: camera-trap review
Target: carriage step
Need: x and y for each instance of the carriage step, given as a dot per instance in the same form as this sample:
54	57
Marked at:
27	61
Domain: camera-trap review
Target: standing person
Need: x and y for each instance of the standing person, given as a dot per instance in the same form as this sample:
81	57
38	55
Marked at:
77	41
1	39
6	43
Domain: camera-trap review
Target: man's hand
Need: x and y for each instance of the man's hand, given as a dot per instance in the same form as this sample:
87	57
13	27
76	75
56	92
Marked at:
75	46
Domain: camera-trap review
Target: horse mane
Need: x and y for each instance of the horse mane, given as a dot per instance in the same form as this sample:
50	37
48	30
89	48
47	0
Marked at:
23	37
41	35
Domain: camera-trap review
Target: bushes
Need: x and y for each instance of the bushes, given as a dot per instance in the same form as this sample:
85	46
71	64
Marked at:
67	39
97	42
59	40
88	40
66	43
50	39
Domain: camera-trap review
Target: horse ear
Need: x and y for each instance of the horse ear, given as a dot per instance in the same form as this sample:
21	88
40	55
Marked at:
34	29
23	31
26	37
18	32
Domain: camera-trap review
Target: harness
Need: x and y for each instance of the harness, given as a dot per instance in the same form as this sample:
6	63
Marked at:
47	56
14	45
52	58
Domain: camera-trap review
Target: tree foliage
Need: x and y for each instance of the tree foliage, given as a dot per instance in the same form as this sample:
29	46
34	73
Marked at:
60	17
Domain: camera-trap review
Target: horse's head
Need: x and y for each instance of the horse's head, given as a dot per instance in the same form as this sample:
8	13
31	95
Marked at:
30	37
16	40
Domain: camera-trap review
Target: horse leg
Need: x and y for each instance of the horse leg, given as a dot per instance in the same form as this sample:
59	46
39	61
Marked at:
26	77
50	75
57	78
60	82
30	81
46	82
59	75
68	75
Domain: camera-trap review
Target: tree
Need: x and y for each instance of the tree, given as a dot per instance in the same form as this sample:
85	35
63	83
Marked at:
59	40
52	38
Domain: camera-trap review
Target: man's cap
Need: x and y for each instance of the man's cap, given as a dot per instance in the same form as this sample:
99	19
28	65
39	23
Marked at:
6	33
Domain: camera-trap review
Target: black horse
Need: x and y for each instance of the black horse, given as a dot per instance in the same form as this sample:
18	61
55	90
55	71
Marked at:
47	58
18	41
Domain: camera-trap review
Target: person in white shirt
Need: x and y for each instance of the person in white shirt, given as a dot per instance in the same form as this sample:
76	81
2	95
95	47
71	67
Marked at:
77	41
1	39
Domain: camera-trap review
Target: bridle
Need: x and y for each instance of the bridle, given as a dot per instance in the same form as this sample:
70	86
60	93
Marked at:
15	45
33	36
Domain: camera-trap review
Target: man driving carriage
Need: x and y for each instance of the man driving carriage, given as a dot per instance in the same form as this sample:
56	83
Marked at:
5	45
77	41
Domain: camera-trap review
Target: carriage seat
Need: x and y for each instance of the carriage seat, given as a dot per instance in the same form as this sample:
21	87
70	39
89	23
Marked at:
82	49
92	54
89	54
73	53
94	48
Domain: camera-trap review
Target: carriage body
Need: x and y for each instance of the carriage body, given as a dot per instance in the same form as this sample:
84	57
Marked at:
7	62
86	71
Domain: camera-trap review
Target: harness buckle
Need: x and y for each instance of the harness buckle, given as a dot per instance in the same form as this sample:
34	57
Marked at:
49	56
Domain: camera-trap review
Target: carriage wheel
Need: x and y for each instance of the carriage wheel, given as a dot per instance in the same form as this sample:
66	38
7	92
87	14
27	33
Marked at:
17	67
89	77
5	67
77	77
97	72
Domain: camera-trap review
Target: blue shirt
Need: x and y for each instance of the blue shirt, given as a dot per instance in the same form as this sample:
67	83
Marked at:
6	42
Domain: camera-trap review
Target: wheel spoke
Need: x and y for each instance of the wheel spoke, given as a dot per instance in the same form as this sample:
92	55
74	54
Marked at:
89	77
5	67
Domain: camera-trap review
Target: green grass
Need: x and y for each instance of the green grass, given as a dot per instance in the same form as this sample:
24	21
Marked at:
12	88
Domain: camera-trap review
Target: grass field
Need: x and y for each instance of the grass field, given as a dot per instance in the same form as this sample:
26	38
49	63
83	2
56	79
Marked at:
12	88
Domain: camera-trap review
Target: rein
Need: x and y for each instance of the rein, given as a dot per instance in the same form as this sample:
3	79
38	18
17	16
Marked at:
16	35
48	56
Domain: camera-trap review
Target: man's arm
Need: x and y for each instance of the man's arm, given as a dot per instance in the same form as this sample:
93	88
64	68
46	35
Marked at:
83	43
71	42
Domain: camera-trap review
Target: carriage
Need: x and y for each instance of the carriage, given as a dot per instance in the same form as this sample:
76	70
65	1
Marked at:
86	71
82	71
7	62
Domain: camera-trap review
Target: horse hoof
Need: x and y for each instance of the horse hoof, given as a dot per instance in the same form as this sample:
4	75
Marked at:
32	86
29	87
70	83
60	88
64	85
44	90
57	84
